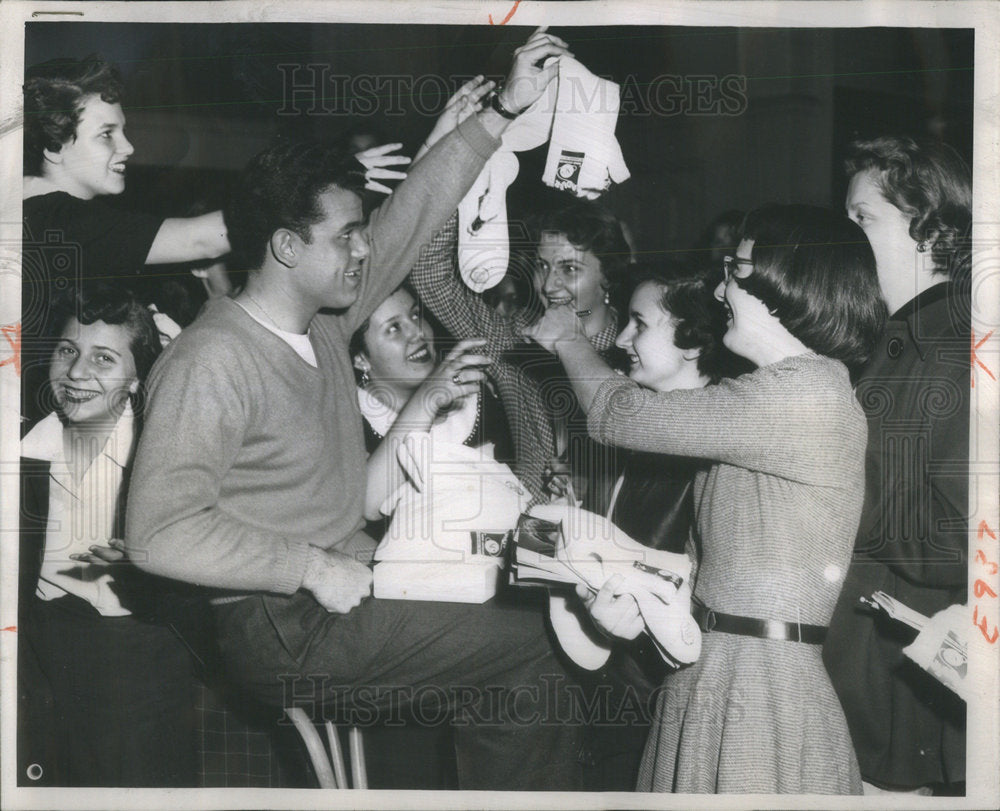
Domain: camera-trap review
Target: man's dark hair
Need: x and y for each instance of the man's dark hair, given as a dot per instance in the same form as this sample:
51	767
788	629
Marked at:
280	188
54	95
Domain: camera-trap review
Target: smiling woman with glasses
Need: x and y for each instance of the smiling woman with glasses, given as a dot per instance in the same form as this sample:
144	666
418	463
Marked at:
777	510
735	268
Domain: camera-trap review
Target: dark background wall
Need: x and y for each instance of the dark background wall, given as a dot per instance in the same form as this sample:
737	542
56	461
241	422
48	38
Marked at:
712	118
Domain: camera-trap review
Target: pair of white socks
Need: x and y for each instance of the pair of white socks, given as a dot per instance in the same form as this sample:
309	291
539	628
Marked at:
577	115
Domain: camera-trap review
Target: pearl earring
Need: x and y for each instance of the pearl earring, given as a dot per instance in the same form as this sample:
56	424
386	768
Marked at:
922	246
365	378
607	297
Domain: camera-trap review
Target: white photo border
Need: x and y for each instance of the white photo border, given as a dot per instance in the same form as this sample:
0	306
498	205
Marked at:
983	784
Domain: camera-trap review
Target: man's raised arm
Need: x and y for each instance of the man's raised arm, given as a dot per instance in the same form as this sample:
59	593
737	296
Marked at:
422	203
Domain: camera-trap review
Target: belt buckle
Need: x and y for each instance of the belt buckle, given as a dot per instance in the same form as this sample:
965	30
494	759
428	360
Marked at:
704	616
707	620
782	631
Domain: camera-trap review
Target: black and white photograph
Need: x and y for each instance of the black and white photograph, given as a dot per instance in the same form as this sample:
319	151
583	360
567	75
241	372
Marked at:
499	404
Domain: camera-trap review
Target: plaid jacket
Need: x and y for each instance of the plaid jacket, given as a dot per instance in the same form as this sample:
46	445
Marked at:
535	412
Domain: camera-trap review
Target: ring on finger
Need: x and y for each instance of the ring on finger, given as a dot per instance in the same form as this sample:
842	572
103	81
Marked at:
455	380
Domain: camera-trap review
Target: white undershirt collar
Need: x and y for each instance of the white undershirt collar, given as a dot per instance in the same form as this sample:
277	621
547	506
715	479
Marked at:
297	341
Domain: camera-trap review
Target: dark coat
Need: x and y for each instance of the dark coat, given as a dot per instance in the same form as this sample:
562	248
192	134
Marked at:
34	511
907	728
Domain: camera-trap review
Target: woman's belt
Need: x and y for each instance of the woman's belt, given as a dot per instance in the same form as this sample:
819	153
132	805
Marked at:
710	620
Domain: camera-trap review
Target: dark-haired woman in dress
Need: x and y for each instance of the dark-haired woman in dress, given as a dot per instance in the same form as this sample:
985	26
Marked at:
673	340
106	683
76	155
404	386
777	510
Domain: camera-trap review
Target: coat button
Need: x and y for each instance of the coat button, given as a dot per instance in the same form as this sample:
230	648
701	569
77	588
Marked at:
895	348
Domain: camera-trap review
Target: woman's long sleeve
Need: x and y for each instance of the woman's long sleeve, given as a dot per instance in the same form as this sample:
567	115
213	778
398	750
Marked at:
460	310
787	419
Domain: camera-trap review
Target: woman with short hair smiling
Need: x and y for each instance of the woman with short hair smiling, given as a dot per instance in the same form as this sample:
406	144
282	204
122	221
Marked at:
777	510
105	683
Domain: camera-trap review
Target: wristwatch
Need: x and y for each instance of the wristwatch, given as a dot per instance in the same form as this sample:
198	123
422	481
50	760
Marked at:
498	107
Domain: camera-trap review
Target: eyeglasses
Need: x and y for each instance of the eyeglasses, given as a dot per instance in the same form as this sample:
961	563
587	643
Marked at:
733	267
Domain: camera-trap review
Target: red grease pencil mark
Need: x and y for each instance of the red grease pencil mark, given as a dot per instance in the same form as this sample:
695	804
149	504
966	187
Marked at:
983	626
10	628
981	588
976	360
509	14
13	335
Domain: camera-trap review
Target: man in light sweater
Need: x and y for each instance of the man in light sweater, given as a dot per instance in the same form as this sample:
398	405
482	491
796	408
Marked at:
249	476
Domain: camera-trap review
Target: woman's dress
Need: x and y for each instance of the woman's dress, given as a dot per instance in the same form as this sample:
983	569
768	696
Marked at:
777	514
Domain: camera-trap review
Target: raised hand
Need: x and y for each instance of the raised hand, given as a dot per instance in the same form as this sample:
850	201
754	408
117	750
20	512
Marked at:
534	66
375	160
456	377
459	107
558	324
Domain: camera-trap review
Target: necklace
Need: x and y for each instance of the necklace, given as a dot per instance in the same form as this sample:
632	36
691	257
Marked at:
264	312
471	437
